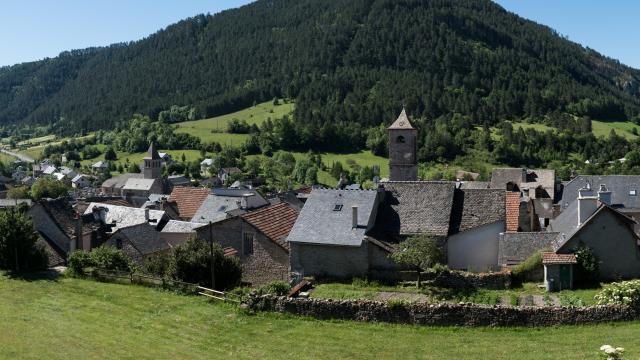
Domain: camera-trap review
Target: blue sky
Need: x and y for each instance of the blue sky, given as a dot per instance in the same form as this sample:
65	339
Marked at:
610	27
34	29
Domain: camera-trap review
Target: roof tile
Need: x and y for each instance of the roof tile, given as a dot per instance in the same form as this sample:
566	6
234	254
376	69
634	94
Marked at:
188	199
512	211
275	222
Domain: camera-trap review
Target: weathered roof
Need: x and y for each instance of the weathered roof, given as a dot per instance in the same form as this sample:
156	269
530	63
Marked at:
214	208
152	153
188	200
402	122
326	217
119	181
181	227
122	216
474	185
275	222
621	187
145	238
139	184
473	208
524	178
231	170
514	248
550	258
100	164
512	209
206	162
417	207
49	170
178	180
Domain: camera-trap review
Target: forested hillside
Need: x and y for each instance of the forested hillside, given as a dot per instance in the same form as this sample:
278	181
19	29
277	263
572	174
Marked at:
348	64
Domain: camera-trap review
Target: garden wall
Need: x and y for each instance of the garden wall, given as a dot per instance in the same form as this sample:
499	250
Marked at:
443	314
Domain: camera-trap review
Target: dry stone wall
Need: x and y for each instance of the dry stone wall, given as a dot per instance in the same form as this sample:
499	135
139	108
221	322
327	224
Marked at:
443	314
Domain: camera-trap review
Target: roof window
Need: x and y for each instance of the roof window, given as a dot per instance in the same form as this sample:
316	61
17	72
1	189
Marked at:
632	192
337	207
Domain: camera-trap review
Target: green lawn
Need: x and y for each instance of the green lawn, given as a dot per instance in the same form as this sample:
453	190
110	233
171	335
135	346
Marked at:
6	158
136	158
81	319
537	127
603	128
213	129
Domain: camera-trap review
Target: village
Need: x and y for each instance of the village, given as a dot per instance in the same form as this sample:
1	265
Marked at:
483	228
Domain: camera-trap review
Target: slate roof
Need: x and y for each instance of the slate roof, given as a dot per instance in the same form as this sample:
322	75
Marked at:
514	248
188	200
119	181
417	207
326	217
525	179
145	238
100	165
122	216
49	170
550	258
402	122
152	153
206	162
139	184
473	185
477	207
215	208
181	227
275	222
619	185
178	180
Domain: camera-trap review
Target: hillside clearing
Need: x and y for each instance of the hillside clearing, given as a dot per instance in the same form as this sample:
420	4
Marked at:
80	319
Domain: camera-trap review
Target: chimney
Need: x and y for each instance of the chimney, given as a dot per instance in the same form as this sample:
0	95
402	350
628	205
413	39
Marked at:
604	195
354	217
78	235
587	204
146	214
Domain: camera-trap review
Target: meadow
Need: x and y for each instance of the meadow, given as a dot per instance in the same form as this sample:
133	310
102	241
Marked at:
81	319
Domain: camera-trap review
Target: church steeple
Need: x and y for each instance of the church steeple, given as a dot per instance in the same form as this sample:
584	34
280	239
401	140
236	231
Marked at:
403	162
152	163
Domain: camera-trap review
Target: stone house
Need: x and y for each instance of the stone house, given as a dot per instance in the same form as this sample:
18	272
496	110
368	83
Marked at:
188	200
100	167
225	173
139	241
81	181
222	204
592	222
259	237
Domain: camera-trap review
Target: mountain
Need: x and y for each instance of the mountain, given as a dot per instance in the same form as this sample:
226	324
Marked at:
343	61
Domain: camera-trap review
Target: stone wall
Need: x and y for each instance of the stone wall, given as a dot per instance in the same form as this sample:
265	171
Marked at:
443	314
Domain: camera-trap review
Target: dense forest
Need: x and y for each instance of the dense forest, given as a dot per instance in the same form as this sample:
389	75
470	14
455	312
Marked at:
348	64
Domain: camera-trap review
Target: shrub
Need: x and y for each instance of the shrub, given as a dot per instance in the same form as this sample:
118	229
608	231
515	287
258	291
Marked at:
104	257
396	303
587	270
157	264
18	242
527	268
620	293
279	288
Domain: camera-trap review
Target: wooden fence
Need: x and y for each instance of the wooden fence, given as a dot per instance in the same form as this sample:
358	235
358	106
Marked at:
124	277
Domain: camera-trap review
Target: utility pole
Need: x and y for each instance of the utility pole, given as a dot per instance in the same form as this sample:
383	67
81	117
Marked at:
213	275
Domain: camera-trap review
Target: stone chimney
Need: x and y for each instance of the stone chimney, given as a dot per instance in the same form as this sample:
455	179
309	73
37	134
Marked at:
146	215
604	195
587	204
78	235
354	217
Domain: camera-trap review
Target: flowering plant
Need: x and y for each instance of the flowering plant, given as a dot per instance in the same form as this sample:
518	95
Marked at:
620	293
611	353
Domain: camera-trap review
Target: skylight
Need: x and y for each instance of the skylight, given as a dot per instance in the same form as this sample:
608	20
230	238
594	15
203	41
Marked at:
337	207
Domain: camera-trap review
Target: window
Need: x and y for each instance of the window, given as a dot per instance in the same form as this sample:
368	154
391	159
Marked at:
337	207
119	244
632	192
247	243
400	139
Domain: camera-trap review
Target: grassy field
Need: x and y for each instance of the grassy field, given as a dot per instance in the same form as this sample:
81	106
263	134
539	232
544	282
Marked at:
80	319
213	129
6	158
136	158
603	128
38	140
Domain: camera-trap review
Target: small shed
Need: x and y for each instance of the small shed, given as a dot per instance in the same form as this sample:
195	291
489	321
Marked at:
558	270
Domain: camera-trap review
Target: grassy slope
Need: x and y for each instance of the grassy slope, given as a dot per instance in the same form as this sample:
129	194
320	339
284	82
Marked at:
603	128
78	319
213	129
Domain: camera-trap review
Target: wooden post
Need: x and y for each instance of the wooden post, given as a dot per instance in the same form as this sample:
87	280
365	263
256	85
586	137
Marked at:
213	275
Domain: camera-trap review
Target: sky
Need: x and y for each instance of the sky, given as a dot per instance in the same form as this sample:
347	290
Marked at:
609	27
35	29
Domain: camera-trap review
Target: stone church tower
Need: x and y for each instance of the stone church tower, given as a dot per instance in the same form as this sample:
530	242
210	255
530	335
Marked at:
403	162
152	164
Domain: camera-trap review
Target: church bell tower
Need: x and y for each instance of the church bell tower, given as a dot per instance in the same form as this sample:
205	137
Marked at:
152	164
403	163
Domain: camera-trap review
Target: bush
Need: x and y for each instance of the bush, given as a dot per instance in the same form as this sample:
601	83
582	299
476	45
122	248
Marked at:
620	293
18	242
527	268
104	257
157	264
190	262
279	288
588	267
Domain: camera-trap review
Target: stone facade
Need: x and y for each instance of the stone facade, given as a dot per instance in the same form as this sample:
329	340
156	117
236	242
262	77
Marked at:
514	248
267	262
444	314
338	262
